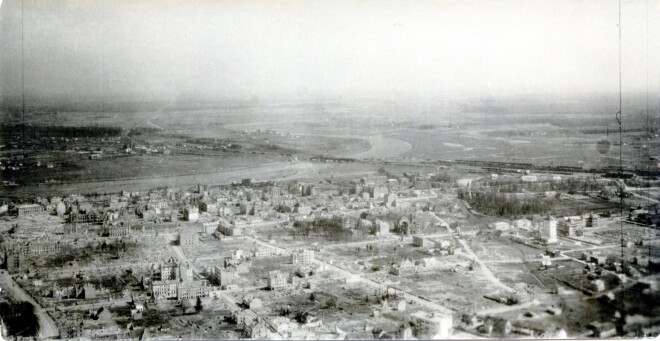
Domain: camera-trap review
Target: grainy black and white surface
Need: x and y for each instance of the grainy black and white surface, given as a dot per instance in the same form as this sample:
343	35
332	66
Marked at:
329	169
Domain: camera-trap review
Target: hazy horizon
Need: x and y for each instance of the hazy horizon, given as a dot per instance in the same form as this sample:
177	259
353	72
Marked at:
305	51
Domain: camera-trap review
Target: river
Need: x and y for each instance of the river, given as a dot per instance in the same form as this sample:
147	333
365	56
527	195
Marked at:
384	147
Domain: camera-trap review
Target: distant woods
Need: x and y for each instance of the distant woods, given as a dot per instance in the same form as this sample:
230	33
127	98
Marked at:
59	131
571	186
137	131
601	130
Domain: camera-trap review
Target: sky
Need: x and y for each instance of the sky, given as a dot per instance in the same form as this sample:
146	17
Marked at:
307	49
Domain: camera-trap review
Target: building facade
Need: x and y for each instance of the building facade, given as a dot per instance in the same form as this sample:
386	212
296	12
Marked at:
277	280
431	325
302	257
191	214
24	210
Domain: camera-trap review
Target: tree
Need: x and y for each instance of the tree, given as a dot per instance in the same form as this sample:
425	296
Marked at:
331	303
312	297
184	306
19	318
198	306
301	316
376	332
155	317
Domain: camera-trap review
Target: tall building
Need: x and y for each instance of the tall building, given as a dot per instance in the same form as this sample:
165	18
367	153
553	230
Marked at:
302	257
277	280
185	272
188	237
569	226
378	192
15	260
228	277
592	220
548	230
382	228
431	325
308	190
191	214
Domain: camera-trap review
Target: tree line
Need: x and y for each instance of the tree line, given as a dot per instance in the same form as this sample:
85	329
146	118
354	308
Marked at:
570	186
500	204
60	131
330	229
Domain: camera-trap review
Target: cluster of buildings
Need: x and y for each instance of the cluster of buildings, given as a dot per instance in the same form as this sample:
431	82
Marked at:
174	279
278	280
443	246
378	204
19	253
549	227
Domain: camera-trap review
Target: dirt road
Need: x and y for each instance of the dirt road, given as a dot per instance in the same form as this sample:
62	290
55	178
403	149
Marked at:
482	266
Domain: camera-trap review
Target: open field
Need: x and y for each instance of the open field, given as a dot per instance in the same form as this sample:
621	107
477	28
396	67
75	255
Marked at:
610	231
218	249
582	204
517	273
501	249
212	177
451	285
384	253
263	172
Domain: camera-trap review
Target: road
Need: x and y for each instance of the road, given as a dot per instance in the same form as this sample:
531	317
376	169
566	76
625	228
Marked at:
47	327
504	309
441	221
632	190
598	247
482	266
523	261
390	238
473	256
655	201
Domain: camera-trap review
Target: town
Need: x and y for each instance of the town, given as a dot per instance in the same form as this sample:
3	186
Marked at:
405	252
